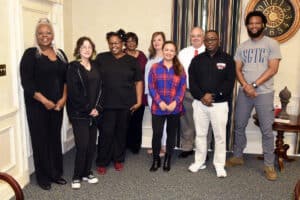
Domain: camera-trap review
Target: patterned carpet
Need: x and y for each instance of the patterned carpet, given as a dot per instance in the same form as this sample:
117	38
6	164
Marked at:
135	182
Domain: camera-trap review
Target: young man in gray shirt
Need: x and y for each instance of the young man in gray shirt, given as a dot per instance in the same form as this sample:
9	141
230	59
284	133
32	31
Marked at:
257	61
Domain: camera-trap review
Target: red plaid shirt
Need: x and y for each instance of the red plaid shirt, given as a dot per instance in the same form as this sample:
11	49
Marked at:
165	86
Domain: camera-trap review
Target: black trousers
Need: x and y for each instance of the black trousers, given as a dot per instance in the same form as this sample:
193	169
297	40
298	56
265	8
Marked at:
112	136
172	130
134	133
45	132
85	133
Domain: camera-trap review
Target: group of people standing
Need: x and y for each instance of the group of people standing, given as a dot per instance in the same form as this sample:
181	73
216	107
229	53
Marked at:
186	93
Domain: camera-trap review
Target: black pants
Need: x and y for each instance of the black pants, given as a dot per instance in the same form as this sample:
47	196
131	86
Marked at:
172	129
134	133
112	136
45	132
85	133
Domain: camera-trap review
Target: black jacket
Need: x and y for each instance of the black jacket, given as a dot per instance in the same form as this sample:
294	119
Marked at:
78	102
214	75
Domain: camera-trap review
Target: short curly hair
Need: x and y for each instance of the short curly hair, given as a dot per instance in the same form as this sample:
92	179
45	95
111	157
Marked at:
133	36
257	14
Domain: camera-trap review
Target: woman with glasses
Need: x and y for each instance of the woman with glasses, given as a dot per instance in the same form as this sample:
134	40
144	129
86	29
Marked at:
84	105
43	71
167	84
134	134
122	93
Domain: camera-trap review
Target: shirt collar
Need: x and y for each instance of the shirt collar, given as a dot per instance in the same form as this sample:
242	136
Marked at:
200	48
162	64
217	53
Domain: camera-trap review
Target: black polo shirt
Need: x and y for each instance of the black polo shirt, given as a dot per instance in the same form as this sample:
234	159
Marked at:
212	74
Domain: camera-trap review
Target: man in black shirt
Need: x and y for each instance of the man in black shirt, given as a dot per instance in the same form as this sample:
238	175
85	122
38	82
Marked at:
211	78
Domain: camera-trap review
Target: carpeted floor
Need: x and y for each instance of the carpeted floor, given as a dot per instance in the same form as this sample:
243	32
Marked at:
135	182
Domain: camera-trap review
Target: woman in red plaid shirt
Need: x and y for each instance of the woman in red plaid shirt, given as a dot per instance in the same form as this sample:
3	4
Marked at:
167	84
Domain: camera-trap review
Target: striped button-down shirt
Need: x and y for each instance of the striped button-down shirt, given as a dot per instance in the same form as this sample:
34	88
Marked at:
165	86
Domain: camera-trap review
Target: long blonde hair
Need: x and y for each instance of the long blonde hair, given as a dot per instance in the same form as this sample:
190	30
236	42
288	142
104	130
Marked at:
152	51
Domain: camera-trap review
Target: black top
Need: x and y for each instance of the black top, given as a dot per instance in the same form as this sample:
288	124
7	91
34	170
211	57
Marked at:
40	74
214	75
84	90
119	78
93	78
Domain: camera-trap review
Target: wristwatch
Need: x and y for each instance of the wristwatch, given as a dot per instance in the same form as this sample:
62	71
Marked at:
254	85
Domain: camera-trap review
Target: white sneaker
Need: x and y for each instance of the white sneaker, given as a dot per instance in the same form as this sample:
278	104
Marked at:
75	184
90	179
195	167
221	172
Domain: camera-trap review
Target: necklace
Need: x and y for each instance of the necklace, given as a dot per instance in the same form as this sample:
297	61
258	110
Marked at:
86	64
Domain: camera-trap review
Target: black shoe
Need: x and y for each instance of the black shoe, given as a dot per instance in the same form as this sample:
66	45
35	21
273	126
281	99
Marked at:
185	154
45	186
60	181
167	162
135	151
155	164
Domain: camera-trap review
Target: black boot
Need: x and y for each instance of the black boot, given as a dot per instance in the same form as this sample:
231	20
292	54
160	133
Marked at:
155	164
167	162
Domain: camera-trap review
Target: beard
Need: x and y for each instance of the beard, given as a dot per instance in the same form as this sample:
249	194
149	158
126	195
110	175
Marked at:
255	35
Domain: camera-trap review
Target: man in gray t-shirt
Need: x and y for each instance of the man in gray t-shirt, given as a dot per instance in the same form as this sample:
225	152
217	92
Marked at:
255	57
257	61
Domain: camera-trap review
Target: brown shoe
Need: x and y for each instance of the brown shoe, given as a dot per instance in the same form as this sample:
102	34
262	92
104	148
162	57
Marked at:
234	161
270	173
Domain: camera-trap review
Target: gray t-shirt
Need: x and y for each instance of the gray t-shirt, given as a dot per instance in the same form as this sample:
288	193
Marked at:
255	56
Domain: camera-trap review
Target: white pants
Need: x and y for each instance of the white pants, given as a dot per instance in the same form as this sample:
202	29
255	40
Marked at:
217	115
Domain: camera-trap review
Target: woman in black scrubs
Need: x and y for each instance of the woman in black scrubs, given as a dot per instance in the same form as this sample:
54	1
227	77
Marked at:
43	71
122	91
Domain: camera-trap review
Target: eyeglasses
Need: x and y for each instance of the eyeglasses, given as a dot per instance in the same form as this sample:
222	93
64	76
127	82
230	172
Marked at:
211	40
114	43
86	47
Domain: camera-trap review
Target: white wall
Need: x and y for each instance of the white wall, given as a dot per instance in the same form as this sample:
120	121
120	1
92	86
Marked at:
68	28
97	17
